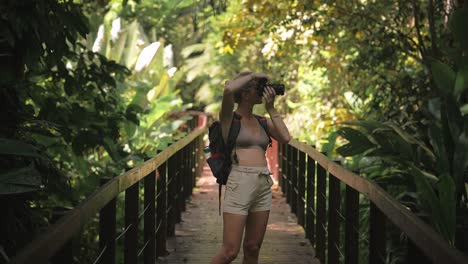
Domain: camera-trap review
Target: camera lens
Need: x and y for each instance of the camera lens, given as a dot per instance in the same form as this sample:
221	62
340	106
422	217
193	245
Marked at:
262	83
279	88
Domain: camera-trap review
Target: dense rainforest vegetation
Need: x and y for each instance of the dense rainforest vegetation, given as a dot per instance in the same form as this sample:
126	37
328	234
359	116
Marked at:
88	89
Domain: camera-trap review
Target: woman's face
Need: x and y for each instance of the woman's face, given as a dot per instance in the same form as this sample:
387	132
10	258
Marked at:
251	95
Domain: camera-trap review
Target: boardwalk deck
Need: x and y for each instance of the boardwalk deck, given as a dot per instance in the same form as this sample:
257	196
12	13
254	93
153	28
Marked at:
199	235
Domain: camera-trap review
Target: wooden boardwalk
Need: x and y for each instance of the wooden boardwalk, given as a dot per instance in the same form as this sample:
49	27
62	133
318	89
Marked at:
199	235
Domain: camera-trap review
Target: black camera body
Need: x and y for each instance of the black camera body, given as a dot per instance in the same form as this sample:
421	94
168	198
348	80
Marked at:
263	82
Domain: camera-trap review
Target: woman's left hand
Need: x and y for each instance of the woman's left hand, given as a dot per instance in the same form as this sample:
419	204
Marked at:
269	95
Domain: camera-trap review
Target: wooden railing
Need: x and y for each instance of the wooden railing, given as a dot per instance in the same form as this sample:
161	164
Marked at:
168	180
304	174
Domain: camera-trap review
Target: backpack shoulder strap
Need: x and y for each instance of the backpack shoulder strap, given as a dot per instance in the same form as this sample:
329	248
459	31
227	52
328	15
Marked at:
231	142
234	130
263	122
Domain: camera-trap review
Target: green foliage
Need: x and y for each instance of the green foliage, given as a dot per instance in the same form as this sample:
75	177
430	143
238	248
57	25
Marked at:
432	152
75	109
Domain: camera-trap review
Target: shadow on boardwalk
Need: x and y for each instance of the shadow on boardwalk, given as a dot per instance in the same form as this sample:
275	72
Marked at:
199	235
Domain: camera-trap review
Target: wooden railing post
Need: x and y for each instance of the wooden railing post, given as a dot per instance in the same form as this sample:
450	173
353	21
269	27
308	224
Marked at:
301	187
284	169
189	170
199	157
149	218
290	189
376	235
334	201
193	156
161	215
186	175
65	254
321	222
352	226
131	222
182	177
415	255
295	190
107	230
280	165
310	212
178	185
171	197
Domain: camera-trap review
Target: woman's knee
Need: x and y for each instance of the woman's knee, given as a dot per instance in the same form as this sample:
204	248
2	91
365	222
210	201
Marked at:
251	249
230	253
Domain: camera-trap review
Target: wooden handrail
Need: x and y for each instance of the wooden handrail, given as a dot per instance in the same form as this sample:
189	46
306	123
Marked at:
47	244
422	235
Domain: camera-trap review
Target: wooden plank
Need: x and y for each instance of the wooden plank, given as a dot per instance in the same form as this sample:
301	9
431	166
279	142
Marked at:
423	235
199	237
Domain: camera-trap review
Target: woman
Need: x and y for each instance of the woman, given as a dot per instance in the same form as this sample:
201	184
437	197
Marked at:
247	199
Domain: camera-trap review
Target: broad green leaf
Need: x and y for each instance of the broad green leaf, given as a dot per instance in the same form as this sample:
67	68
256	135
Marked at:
461	83
18	148
444	77
131	52
329	146
427	197
130	129
447	198
367	124
457	23
195	48
20	180
141	89
186	3
160	107
162	89
111	147
118	46
358	142
437	141
464	109
434	107
46	140
460	161
453	117
410	139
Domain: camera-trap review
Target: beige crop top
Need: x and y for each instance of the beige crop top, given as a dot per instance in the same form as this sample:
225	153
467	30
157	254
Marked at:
248	140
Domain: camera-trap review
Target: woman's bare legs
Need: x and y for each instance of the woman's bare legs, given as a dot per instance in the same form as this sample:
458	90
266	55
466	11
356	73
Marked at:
254	232
233	229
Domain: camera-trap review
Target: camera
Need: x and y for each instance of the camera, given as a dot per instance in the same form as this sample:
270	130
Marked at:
263	82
